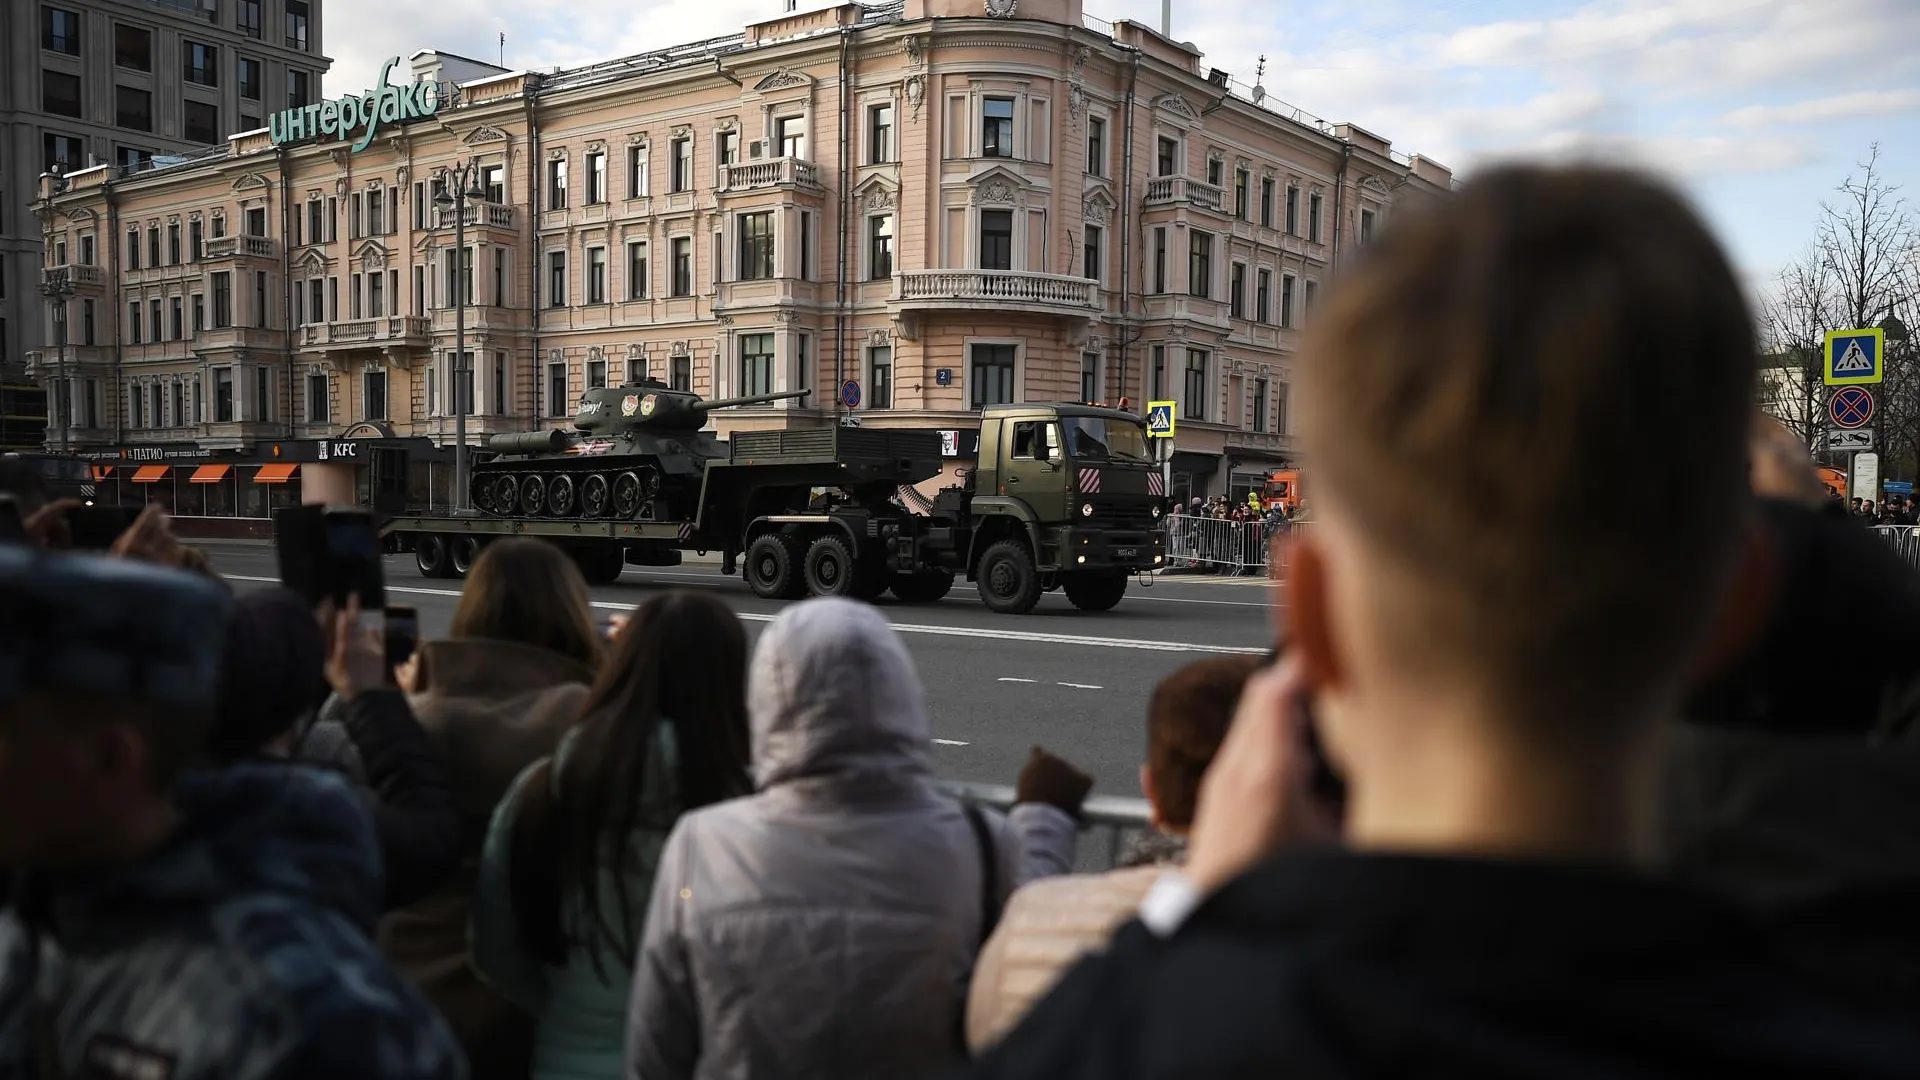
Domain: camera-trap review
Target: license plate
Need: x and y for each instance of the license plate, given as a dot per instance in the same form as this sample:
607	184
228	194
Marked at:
1127	553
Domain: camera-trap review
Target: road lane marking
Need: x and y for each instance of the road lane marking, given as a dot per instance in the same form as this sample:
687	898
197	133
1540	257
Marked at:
1020	680
995	634
949	742
1080	686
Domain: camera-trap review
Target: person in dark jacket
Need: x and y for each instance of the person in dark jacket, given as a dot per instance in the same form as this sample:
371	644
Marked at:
1493	677
168	921
282	657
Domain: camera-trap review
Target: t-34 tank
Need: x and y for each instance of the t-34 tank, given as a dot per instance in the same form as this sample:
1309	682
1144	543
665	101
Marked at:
637	453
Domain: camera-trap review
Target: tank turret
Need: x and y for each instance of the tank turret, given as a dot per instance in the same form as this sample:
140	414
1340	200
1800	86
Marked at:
636	453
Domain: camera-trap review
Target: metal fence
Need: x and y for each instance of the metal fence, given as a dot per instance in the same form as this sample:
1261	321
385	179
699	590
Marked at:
1106	822
1217	545
1905	541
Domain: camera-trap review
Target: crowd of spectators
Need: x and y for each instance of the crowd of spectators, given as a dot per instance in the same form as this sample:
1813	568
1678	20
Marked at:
1532	783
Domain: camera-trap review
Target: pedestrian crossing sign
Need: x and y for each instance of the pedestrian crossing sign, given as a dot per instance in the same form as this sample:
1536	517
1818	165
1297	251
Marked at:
1160	419
1856	357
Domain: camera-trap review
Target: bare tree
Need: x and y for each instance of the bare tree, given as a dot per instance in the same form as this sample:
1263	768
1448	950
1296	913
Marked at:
1793	324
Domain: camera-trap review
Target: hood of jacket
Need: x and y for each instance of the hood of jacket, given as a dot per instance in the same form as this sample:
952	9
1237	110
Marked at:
831	690
492	708
246	830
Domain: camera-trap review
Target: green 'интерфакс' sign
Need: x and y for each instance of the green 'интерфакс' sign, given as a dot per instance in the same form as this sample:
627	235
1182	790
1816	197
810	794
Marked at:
340	118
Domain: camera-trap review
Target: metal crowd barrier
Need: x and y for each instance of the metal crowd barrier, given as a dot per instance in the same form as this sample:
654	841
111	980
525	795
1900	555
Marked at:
1904	539
1220	545
1107	822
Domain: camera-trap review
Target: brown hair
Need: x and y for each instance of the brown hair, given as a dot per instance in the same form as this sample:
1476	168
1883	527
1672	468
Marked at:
1569	351
528	592
1187	717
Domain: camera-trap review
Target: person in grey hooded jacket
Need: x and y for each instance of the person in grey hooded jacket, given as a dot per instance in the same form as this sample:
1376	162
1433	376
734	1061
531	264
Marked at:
827	926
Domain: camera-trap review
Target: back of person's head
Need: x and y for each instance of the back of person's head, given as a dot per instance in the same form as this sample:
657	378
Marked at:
21	480
1503	359
109	671
832	688
530	593
681	663
1187	717
275	673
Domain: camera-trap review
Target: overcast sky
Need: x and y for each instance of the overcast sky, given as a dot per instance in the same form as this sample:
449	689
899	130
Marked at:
1761	107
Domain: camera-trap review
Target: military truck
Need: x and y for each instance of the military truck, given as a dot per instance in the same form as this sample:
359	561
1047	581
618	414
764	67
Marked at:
1061	497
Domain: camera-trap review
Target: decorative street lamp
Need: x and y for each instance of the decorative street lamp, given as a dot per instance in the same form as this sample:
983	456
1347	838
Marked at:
457	186
58	289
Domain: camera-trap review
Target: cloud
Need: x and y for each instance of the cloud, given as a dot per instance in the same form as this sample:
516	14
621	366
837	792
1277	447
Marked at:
1827	109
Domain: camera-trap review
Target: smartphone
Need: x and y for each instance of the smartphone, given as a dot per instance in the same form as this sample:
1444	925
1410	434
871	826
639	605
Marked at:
95	528
403	634
13	528
331	553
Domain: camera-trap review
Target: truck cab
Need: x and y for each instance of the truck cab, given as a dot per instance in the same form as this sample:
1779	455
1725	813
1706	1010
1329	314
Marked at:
1063	496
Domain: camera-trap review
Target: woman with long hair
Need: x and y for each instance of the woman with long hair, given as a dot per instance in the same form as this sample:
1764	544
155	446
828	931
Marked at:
494	697
571	854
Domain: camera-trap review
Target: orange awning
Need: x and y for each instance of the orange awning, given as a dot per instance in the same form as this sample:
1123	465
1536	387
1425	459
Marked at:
210	474
101	472
149	474
275	474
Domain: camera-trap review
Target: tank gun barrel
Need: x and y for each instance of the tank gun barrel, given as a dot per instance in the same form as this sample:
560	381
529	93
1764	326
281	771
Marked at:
757	399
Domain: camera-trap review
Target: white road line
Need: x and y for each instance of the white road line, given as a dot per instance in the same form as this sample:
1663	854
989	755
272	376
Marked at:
949	742
1080	686
1019	680
645	574
916	628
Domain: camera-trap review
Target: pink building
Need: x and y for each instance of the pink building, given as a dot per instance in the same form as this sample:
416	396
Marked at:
921	208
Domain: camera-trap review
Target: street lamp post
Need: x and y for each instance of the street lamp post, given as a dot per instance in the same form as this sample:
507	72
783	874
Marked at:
457	185
58	289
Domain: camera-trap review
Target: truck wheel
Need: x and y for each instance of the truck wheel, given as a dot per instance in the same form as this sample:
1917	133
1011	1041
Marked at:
831	570
773	568
430	555
464	551
601	565
1094	592
1008	582
923	587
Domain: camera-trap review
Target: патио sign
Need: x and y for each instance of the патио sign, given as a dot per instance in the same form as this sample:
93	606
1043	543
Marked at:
340	118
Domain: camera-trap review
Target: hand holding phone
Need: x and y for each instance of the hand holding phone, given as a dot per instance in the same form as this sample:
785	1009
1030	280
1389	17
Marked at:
330	553
403	635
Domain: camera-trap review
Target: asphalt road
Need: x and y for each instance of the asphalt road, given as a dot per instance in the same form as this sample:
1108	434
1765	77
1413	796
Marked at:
1073	682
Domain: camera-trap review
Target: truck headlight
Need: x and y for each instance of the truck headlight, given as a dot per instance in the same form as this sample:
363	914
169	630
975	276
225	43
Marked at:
1156	513
1086	509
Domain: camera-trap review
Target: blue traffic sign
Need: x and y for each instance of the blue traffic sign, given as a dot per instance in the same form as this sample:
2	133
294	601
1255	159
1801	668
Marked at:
1855	357
850	394
1160	422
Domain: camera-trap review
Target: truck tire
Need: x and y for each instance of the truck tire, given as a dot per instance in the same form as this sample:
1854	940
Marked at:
430	555
773	567
601	565
1094	592
922	587
831	569
1009	584
462	551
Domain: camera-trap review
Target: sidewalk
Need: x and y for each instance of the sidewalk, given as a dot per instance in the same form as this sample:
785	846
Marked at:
687	558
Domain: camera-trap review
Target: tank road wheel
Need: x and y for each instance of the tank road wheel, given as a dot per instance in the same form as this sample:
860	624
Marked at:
773	567
430	555
1094	592
595	496
560	500
506	494
480	494
627	496
533	495
923	587
1008	582
464	549
830	568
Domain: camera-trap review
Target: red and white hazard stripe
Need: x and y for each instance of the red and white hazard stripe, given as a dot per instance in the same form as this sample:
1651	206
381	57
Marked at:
1090	481
1156	484
686	530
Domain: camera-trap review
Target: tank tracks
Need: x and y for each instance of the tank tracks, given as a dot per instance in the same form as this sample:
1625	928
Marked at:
539	489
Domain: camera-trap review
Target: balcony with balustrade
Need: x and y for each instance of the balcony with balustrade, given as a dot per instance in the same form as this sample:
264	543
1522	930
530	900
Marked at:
238	248
919	295
487	223
384	332
81	279
1165	191
780	172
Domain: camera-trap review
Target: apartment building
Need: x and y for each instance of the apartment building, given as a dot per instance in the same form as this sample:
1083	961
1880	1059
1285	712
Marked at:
913	209
126	83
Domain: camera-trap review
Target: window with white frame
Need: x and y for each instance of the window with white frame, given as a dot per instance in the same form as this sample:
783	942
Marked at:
596	374
682	268
1260	394
596	275
879	247
498	402
880	134
317	399
1266	202
996	127
1314	203
1286	300
802	362
1090	376
1237	291
596	177
756	246
636	172
756	364
680	164
990	373
726	146
1263	297
1280	409
996	239
557	184
1167	158
1160	260
1194	407
637	270
556	279
557	389
1199	263
1366	226
880	377
790	136
1096	147
680	372
493	181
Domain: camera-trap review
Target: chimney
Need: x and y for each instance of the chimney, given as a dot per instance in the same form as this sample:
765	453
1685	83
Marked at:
1219	78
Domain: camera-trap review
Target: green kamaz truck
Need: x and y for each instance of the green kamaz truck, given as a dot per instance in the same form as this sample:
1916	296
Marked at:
1061	497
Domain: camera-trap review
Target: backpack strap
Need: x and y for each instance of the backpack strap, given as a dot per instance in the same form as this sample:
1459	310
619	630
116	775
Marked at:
989	871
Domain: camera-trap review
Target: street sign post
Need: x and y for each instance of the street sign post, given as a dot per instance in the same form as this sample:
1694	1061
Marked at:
1866	477
1856	357
1851	407
1849	440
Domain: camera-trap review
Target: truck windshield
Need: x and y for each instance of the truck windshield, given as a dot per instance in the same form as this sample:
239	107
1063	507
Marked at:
1096	437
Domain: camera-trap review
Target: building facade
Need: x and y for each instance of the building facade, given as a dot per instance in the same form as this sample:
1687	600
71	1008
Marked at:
127	83
912	210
